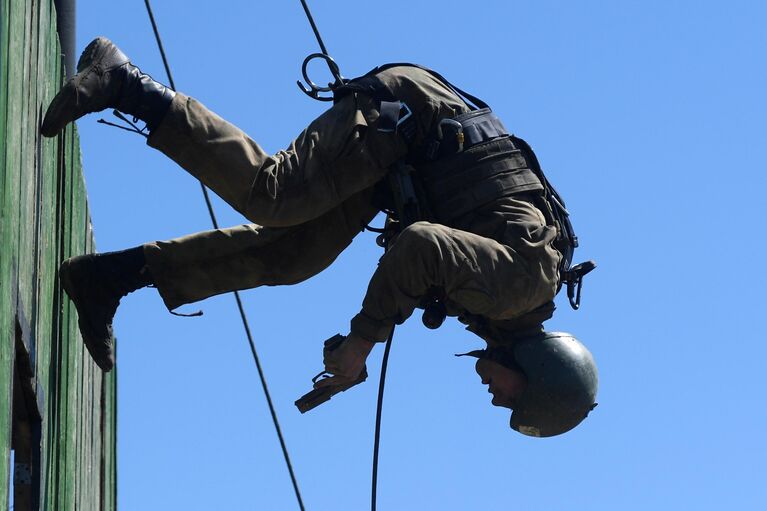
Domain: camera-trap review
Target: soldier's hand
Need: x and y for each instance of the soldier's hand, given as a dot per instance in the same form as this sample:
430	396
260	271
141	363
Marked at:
332	381
345	362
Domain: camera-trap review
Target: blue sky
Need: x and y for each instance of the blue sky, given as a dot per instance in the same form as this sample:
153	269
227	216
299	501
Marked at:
648	117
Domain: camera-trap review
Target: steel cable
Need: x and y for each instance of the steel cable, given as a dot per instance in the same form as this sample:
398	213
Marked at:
241	309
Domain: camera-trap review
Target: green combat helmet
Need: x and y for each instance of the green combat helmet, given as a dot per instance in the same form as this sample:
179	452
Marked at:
561	381
561	384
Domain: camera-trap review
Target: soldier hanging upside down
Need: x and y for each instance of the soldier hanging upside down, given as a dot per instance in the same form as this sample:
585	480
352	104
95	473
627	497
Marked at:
486	242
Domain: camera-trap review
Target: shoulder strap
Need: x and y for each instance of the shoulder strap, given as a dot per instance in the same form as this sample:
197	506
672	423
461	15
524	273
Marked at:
370	84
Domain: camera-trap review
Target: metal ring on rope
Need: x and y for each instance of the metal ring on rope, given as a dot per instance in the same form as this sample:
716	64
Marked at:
314	90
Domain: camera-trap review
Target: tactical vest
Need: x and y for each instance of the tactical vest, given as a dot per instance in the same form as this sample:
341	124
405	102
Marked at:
468	162
488	167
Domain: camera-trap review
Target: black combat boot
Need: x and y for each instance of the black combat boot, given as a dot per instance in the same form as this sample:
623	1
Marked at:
95	283
106	79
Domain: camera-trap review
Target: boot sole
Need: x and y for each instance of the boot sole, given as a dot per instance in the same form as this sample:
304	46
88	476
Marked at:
92	342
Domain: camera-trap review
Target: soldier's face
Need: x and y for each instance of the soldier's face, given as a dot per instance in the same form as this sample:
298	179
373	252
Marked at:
506	385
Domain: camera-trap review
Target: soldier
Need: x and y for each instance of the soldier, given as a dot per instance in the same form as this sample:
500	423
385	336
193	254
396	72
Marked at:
484	243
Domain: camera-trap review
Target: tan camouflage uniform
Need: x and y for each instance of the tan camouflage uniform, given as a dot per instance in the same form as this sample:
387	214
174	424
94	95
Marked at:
310	200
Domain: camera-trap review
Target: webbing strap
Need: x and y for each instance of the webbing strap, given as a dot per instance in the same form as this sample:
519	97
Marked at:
370	84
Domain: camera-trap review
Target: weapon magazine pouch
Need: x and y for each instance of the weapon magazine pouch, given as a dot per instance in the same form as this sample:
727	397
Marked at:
464	181
480	126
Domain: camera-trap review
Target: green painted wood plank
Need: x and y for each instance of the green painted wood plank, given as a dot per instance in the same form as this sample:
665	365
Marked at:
53	405
4	26
65	374
45	208
5	378
80	231
6	262
89	434
112	412
57	406
26	171
71	350
77	355
13	138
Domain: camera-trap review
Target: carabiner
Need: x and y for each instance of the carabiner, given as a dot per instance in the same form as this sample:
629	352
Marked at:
314	90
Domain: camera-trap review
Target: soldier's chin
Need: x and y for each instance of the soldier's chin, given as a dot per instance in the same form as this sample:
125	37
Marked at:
496	401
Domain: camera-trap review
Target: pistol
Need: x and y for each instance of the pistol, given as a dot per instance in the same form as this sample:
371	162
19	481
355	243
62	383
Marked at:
316	397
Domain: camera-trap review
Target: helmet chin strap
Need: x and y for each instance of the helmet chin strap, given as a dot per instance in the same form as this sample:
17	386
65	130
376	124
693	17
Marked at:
473	353
501	355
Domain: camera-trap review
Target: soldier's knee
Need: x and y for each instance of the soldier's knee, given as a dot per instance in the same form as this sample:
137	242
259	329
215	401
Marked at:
415	232
422	237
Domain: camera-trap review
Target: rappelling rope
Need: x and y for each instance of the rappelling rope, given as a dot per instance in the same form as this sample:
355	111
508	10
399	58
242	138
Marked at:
379	411
314	27
385	361
243	316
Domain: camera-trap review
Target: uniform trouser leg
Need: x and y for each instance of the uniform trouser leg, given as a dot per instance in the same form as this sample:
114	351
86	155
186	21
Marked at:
477	275
309	200
208	263
338	155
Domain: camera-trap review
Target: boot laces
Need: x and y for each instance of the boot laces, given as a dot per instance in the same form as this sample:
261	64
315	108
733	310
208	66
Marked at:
132	126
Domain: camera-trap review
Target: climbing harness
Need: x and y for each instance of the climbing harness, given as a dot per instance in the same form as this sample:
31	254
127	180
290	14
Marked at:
469	160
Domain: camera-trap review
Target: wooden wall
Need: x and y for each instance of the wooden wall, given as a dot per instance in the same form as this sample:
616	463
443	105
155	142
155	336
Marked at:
64	405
